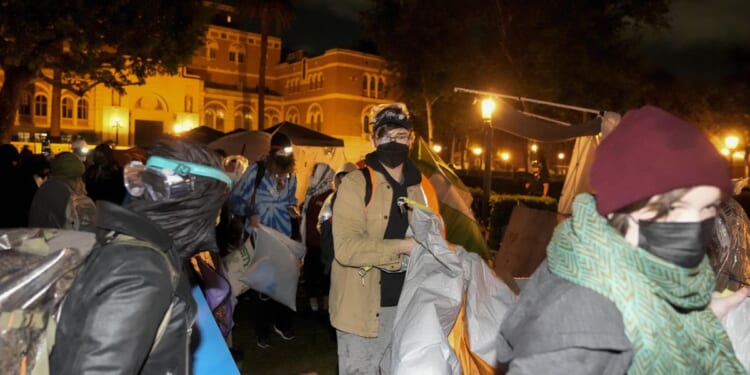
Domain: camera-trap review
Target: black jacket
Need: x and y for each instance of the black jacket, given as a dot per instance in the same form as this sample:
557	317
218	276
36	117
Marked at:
110	316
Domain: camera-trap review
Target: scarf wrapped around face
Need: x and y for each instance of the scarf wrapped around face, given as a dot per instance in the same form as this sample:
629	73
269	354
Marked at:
664	307
320	182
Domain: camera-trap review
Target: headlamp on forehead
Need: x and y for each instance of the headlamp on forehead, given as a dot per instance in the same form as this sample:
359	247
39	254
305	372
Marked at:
283	151
166	178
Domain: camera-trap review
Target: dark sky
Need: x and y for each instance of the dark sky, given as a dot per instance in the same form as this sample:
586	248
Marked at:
696	46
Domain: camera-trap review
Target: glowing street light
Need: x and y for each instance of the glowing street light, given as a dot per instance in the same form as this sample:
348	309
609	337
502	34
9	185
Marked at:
476	150
505	156
534	147
437	148
731	142
561	156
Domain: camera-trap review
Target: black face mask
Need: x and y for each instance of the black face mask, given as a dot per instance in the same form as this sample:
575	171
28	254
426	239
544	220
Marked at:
683	244
392	154
283	162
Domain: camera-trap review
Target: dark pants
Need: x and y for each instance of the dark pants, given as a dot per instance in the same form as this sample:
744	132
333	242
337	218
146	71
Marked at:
316	283
267	312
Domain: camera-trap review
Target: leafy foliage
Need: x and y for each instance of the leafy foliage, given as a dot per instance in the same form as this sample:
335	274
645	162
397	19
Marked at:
116	43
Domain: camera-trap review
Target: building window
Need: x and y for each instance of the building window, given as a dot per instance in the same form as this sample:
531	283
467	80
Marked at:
366	125
24	109
240	57
40	106
373	88
365	85
214	117
232	56
219	125
83	109
315	117
212	49
67	108
381	88
243	119
320	81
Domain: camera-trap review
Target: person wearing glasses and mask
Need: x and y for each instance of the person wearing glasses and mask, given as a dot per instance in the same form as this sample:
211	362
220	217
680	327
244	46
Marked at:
627	286
370	243
130	308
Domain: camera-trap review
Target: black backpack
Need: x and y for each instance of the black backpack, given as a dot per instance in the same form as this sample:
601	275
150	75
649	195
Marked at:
326	227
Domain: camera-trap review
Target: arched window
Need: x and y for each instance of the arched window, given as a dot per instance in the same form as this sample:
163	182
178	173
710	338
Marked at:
366	124
67	108
365	85
214	117
315	117
243	119
373	88
24	109
219	124
381	88
208	118
82	109
292	115
320	81
40	106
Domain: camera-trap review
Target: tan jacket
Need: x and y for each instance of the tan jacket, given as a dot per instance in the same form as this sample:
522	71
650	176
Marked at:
354	301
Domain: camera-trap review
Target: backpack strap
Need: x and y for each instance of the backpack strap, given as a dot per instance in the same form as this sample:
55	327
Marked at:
174	277
369	175
258	180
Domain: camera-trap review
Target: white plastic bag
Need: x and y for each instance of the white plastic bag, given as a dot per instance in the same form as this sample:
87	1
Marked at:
275	267
237	264
737	324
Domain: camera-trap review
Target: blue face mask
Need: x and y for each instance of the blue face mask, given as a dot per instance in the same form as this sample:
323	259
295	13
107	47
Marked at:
683	244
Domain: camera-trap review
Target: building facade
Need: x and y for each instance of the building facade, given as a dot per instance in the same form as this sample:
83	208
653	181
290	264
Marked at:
331	93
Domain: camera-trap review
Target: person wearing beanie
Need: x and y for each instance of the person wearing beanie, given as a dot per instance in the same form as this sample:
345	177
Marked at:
370	242
265	194
627	286
63	188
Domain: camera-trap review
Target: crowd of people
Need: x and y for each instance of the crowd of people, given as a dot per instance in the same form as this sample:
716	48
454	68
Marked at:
626	286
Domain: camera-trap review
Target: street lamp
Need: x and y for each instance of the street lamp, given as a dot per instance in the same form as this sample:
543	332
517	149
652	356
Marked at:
437	148
488	106
731	142
117	127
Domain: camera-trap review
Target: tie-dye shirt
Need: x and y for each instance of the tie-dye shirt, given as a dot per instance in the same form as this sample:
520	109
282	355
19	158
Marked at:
271	205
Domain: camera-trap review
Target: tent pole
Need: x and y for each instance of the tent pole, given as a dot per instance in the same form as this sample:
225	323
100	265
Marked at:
522	99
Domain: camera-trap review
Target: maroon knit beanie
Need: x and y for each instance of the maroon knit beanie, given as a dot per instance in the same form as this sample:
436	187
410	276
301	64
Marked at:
653	152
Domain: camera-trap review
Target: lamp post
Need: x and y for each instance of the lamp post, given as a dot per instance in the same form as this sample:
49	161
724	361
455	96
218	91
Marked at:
731	142
488	106
117	126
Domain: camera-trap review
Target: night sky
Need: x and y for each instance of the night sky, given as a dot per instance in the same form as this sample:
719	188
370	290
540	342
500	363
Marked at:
696	47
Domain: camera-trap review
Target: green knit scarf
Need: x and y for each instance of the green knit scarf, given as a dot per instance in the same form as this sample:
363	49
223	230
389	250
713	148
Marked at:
664	306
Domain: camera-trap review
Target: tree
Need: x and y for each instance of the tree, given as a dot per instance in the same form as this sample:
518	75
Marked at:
87	43
525	48
429	48
268	12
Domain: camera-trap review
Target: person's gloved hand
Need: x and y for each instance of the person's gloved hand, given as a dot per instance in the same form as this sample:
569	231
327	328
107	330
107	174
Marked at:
722	305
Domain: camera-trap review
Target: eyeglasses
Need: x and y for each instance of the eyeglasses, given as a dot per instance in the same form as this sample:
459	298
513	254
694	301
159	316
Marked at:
400	138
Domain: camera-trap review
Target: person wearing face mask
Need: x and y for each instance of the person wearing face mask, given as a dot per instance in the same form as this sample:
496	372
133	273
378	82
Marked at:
627	286
265	195
130	309
369	237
